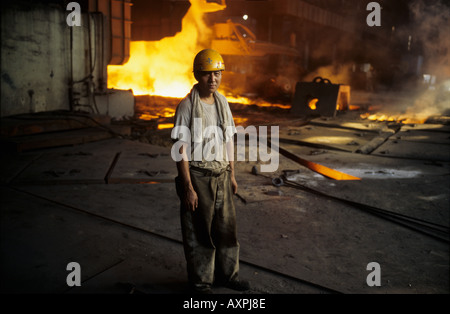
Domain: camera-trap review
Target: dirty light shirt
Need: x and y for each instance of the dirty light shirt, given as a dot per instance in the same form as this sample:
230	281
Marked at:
211	118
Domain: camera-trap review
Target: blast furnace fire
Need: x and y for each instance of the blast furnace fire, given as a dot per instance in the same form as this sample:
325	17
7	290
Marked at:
160	67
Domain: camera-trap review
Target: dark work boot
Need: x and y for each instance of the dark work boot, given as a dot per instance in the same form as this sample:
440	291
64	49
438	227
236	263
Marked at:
238	285
201	289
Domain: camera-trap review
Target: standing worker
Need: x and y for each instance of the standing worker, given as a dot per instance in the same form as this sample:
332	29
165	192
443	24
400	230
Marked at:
206	185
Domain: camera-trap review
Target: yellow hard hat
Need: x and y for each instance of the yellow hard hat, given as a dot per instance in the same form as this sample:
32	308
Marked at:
208	60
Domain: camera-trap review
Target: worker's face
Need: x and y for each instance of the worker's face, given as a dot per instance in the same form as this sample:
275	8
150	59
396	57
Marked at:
209	82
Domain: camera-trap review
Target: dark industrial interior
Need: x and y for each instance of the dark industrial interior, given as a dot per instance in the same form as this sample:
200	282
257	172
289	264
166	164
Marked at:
363	157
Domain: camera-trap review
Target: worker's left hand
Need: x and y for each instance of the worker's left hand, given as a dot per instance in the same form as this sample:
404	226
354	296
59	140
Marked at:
234	185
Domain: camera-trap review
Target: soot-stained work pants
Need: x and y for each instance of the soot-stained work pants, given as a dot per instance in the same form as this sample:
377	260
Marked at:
209	233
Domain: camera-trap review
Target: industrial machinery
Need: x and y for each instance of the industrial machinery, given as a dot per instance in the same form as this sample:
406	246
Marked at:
255	67
320	97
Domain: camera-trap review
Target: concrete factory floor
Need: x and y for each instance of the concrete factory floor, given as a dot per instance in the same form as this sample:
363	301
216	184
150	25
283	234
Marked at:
110	205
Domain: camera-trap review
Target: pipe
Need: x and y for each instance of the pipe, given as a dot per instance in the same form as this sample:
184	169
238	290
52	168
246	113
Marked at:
71	102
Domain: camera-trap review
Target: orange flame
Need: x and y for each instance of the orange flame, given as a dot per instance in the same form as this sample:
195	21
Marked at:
164	67
398	118
165	126
258	102
312	104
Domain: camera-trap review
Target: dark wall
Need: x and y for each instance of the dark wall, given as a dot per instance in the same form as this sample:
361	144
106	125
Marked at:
156	19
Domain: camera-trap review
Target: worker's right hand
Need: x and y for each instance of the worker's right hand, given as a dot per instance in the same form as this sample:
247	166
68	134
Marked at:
191	199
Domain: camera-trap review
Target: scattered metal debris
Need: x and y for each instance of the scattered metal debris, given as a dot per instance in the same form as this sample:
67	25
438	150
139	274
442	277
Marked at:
353	143
317	152
277	182
241	198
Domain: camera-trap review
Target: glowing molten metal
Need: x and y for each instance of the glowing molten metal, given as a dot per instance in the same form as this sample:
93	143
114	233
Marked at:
164	67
